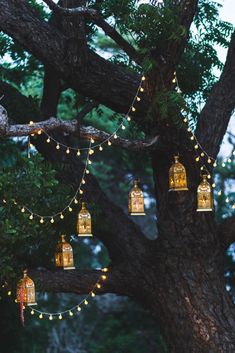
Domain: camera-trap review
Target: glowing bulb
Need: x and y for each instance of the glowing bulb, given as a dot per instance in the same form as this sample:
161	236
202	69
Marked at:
89	161
213	185
60	317
78	153
141	89
32	312
75	201
188	129
78	308
52	220
40	316
229	160
31	122
202	154
196	146
133	109
185	120
101	148
70	209
92	140
209	160
39	132
22	209
128	118
115	136
57	146
80	192
61	216
208	176
50	317
9	293
104	277
83	181
31	217
105	269
41	220
87	171
223	164
219	192
197	159
70	313
138	99
233	206
143	78
227	199
214	164
48	140
98	285
192	137
68	151
85	302
123	127
93	294
109	143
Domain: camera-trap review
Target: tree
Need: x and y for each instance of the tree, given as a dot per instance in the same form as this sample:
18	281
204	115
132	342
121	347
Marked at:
178	276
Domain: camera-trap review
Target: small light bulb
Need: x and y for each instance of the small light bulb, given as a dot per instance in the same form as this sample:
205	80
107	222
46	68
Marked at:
201	168
104	277
101	148
61	216
115	136
78	308
227	199
213	185
192	137
219	192
9	293
202	154
41	220
197	159
92	140
105	269
32	312
98	285
70	313
78	153
85	302
57	146
31	122
48	140
31	217
93	294
39	132
233	206
189	129
87	171
133	109
70	209
223	164
80	192
141	89
128	118
60	317
209	160
109	143
52	220
143	78
196	146
123	127
229	160
68	151
138	99
83	181
208	176
91	152
75	201
40	316
214	164
89	161
22	209
50	317
185	120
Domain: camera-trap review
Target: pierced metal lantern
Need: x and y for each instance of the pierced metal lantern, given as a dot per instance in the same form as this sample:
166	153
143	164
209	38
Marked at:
84	222
136	201
177	176
204	196
25	293
64	255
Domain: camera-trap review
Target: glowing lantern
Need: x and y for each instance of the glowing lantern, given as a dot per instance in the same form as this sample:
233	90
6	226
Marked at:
84	222
136	201
204	196
26	291
64	255
177	176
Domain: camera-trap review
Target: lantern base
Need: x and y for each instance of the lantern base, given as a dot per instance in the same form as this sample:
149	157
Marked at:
178	189
69	268
204	209
85	235
137	214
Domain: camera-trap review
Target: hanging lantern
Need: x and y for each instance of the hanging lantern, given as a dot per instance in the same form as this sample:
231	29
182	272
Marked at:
204	196
64	255
136	201
26	291
177	176
84	222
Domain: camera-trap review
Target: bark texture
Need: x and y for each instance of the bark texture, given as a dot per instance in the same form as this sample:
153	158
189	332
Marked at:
179	276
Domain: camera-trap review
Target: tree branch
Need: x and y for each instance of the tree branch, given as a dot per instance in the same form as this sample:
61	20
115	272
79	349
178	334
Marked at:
100	22
77	281
73	127
227	231
216	114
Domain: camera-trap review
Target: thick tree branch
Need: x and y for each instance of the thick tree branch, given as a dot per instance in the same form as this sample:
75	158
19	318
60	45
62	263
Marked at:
105	82
216	114
227	231
100	22
78	281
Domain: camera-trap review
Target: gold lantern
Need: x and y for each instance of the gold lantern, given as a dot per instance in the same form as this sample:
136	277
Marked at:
136	201
177	176
84	222
204	196
64	255
26	291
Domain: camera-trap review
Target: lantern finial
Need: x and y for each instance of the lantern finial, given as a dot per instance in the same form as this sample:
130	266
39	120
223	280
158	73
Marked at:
136	201
177	176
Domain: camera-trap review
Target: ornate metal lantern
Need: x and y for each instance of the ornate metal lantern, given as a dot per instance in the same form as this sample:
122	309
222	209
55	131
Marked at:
136	201
64	255
204	196
177	176
84	222
26	291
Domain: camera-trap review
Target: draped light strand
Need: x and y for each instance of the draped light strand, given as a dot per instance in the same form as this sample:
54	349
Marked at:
112	136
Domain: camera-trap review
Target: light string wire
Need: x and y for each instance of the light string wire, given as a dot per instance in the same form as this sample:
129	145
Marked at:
113	135
60	213
199	156
76	308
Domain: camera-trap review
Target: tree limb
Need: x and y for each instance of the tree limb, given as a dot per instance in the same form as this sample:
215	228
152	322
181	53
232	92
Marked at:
227	231
216	114
100	22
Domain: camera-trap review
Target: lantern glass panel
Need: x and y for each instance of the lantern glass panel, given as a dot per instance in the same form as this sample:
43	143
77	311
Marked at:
177	176
84	222
204	196
64	255
136	201
26	291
